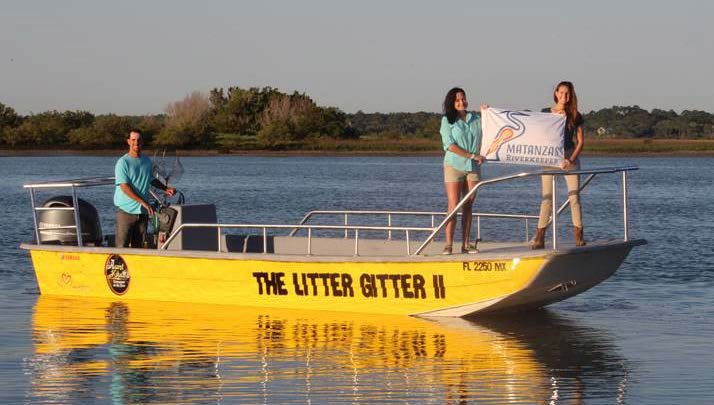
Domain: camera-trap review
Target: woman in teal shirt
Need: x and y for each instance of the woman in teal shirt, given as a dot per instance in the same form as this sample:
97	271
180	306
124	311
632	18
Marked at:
461	137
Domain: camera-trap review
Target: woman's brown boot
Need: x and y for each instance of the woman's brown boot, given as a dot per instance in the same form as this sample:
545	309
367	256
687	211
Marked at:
539	239
578	232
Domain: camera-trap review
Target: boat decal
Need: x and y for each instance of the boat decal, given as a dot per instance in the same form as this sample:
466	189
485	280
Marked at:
484	266
409	286
378	285
439	288
117	273
565	286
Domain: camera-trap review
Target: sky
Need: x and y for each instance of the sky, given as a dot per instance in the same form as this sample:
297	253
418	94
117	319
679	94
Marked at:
135	57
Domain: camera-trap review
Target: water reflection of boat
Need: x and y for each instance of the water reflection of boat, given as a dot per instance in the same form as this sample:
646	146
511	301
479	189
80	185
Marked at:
143	351
581	361
199	262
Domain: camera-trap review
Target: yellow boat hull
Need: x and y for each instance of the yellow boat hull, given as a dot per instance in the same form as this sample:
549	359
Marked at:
459	286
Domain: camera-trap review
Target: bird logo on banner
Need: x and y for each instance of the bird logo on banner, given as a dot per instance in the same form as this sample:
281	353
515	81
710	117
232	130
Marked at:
507	132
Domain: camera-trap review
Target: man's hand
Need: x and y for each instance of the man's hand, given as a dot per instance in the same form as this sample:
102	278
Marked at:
126	188
170	191
148	208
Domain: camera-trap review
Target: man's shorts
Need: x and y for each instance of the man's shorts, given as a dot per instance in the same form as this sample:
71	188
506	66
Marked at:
130	229
452	175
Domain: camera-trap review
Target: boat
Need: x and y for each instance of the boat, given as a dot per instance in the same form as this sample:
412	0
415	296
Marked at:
322	267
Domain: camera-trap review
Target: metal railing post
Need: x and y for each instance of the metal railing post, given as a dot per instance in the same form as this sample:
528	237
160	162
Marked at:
389	224
624	203
356	242
478	227
265	240
345	225
219	238
554	215
409	248
309	241
34	215
77	223
526	220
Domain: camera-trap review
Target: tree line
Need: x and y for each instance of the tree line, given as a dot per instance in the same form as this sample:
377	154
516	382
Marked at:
261	117
265	118
624	122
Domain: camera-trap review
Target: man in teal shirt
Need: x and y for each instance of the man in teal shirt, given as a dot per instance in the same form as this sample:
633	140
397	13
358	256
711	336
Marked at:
133	178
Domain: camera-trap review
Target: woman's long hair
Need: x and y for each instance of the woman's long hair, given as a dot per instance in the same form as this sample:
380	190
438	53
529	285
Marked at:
571	107
449	110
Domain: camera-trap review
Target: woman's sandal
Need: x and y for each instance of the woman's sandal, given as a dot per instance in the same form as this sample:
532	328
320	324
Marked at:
447	250
470	248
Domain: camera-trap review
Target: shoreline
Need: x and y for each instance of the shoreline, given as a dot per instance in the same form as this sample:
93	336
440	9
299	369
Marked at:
268	153
210	153
593	147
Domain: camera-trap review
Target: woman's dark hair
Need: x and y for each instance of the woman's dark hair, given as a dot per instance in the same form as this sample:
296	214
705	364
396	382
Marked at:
449	110
571	108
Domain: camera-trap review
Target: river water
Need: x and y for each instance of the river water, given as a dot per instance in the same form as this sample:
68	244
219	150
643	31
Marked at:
643	336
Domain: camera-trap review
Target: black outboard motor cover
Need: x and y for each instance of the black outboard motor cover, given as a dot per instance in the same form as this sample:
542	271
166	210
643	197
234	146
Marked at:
88	217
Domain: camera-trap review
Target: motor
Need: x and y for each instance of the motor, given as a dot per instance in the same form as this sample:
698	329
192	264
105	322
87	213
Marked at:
49	220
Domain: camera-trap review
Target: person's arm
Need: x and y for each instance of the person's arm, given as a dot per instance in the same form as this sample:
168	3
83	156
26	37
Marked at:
129	191
454	148
445	132
579	143
481	159
170	191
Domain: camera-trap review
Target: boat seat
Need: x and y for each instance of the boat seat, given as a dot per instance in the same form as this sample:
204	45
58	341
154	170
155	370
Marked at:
246	243
195	238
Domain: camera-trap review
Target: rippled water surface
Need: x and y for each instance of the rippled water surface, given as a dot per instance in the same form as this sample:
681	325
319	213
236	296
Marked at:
643	336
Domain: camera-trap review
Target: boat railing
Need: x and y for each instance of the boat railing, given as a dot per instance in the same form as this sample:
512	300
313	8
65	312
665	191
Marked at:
434	230
556	210
74	184
310	228
391	215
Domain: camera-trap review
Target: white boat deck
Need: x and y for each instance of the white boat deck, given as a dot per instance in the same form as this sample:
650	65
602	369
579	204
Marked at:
338	249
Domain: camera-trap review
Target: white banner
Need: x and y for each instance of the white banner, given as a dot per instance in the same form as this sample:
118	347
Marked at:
522	137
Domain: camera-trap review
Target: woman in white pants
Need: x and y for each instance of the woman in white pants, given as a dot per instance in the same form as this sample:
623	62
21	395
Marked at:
566	103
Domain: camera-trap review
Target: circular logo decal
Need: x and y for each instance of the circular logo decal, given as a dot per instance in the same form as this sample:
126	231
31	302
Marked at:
117	274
